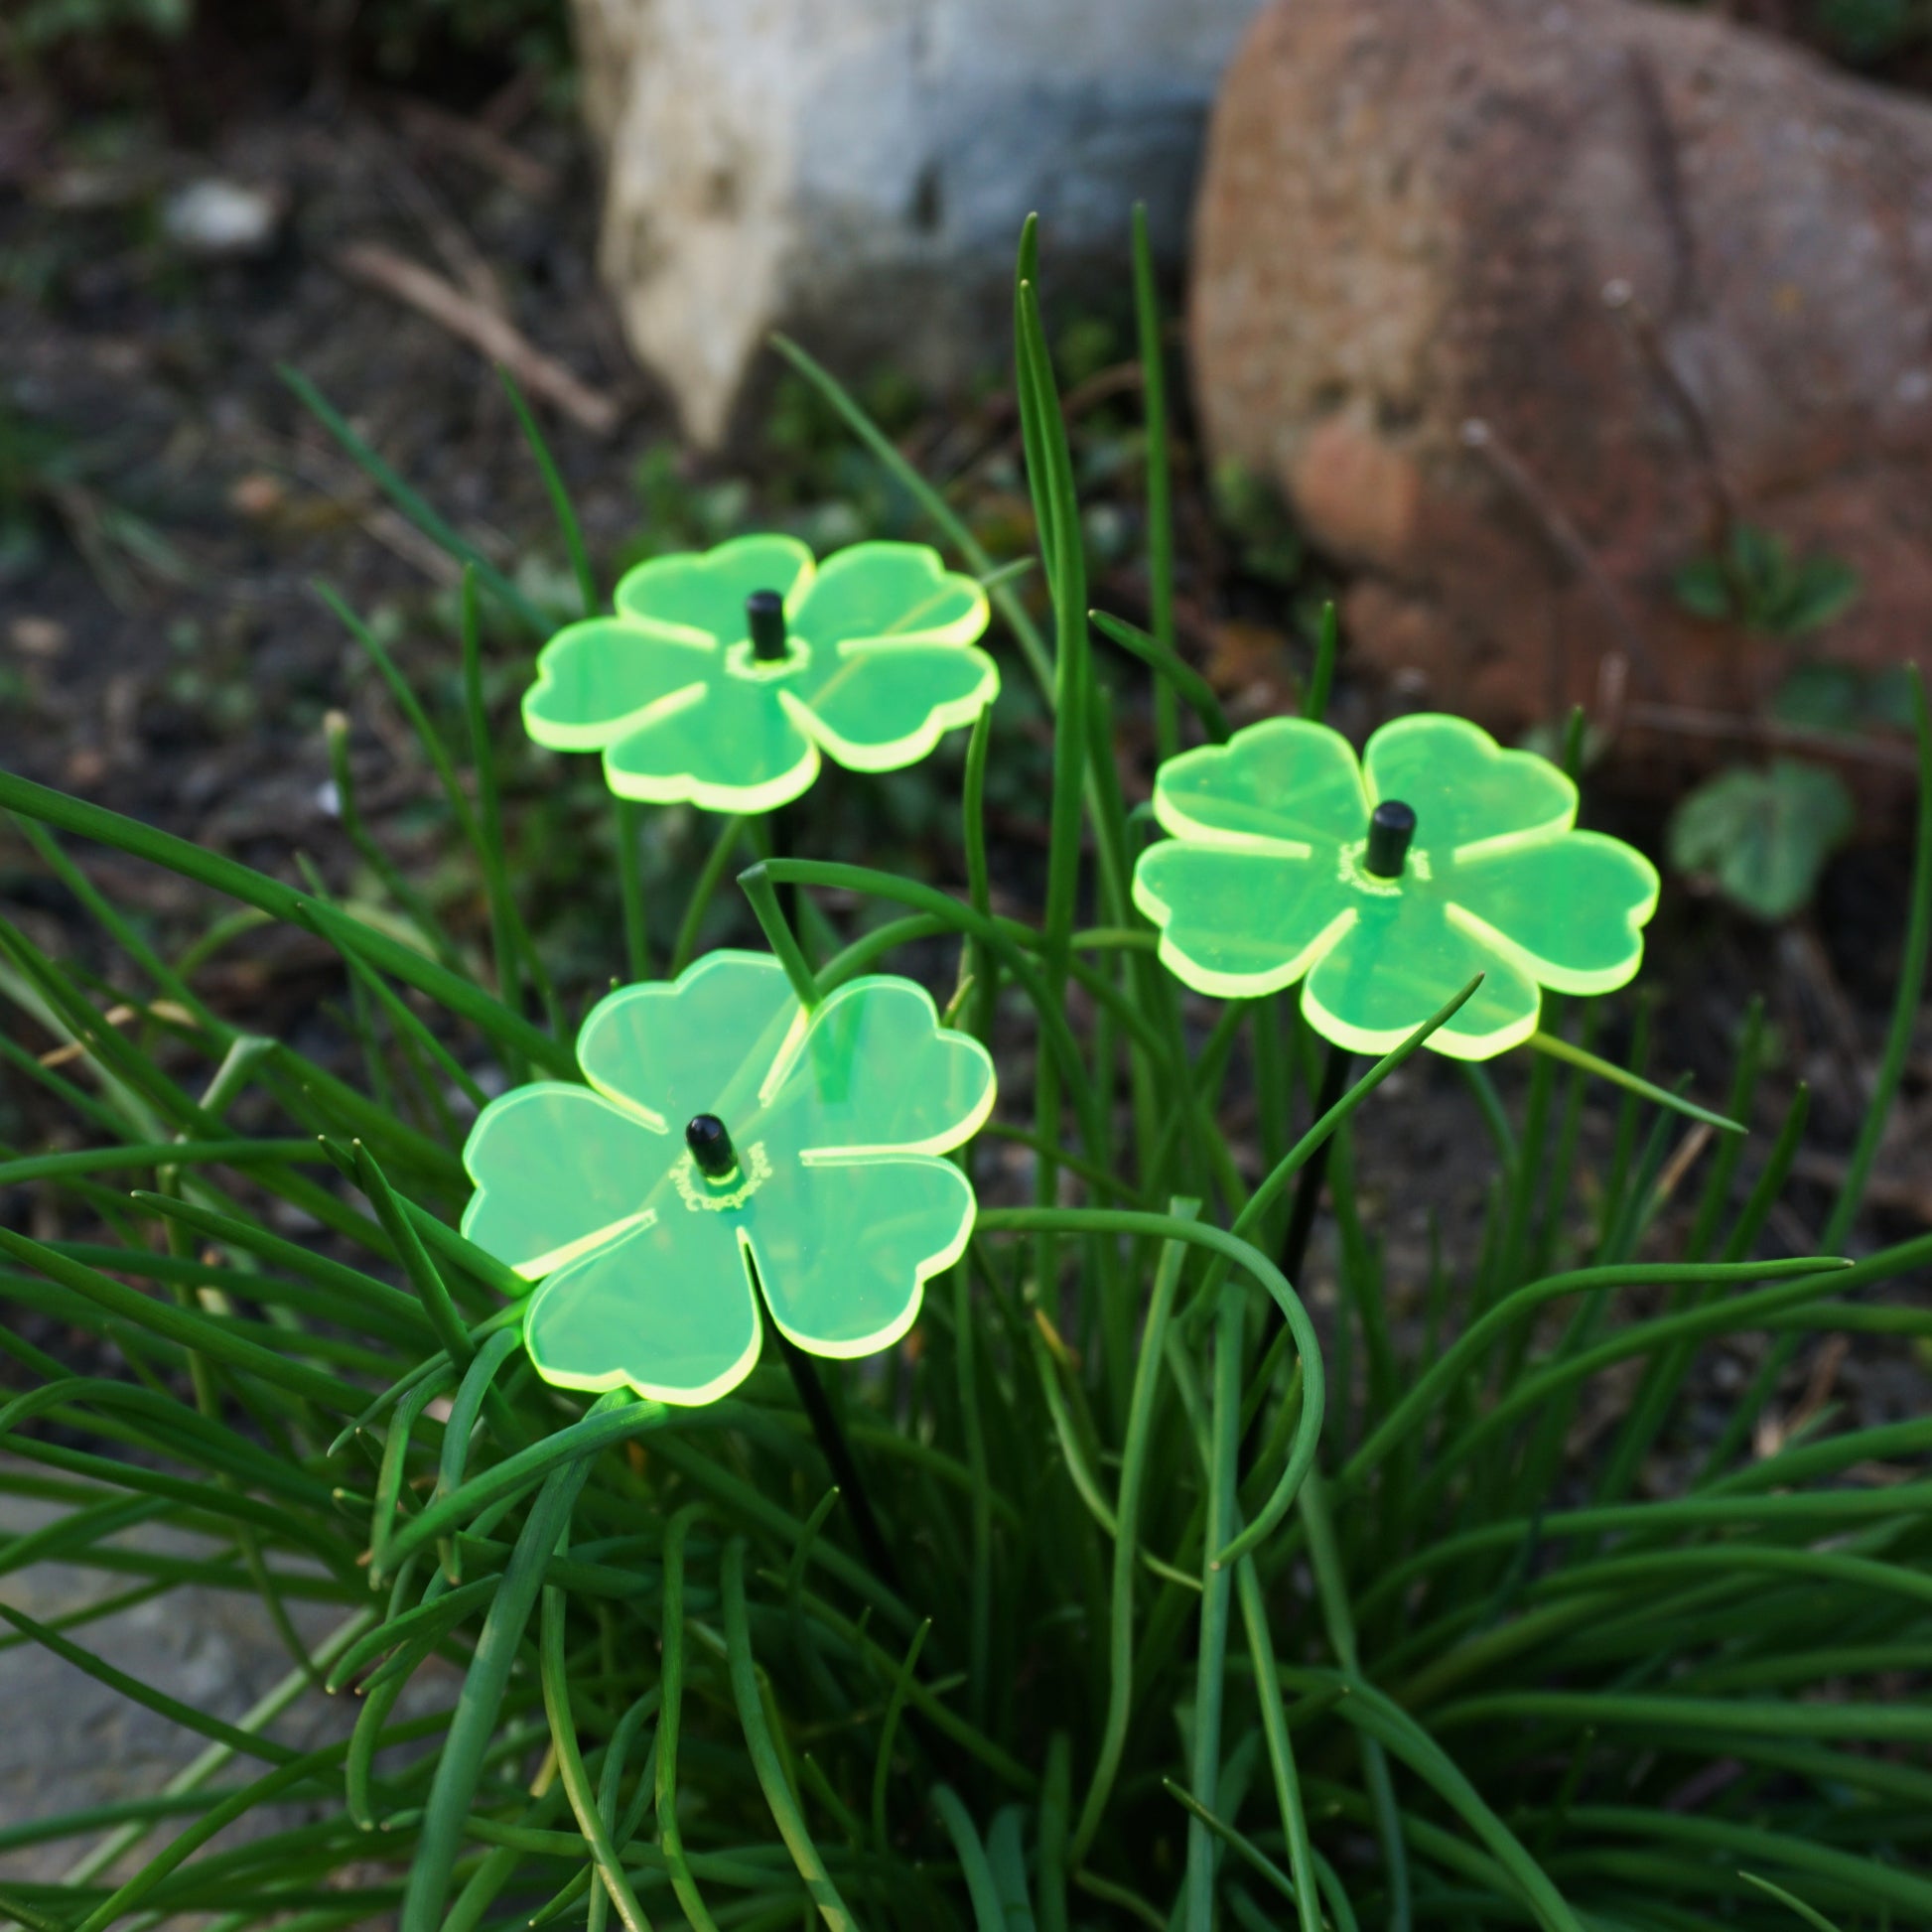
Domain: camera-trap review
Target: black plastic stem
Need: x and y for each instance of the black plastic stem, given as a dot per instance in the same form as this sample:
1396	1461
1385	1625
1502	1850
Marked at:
1335	1071
838	1453
765	619
711	1146
1307	1186
1390	828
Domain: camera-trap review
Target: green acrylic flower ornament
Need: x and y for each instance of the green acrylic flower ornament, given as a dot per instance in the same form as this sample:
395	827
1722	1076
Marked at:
724	676
1390	883
724	1129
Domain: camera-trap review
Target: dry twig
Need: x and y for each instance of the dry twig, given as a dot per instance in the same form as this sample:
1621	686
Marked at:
421	289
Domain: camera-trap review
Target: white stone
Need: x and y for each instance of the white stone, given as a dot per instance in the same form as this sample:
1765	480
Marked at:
217	217
857	170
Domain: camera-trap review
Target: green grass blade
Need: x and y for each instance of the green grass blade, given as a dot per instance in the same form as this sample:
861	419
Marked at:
1562	1049
670	1837
984	1894
407	500
771	1773
1159	476
1173	677
1321	679
239	882
459	1764
553	486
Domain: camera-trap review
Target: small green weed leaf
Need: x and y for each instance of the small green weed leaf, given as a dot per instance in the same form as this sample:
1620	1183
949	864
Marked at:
1821	698
1763	835
1702	587
1821	589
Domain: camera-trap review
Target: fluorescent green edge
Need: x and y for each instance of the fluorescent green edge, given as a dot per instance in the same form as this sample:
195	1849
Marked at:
807	567
1177	823
1563	979
1238	986
594	737
718	1387
942	1142
681	789
942	717
491	1118
725	958
1442	724
559	1258
901	1323
967	629
1455	1047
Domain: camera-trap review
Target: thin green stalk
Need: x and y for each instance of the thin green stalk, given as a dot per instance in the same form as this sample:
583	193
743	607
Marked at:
553	485
1332	1590
223	874
1322	677
1133	1472
779	1796
407	500
569	1759
1217	1583
475	1719
630	820
1160	485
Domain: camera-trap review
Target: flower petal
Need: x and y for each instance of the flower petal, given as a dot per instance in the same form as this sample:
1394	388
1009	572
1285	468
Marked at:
1238	921
701	596
876	707
1400	961
604	677
1286	781
695	1046
844	1247
558	1171
1569	910
669	1310
737	749
874	1070
1464	789
901	591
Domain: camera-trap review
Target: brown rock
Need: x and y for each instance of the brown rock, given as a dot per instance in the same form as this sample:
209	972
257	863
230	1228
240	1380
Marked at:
1410	214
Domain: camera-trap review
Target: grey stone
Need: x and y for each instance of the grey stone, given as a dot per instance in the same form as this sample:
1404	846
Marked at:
857	171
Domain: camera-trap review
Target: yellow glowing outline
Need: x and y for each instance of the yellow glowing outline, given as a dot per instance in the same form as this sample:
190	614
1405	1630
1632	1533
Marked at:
943	1139
554	736
922	1272
1233	986
966	628
948	715
703	561
649	992
489	1121
1440	724
719	1386
554	1267
1565	979
1453	1045
684	788
559	1258
611	736
1177	823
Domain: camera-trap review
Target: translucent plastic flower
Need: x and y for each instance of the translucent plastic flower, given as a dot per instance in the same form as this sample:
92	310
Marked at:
724	675
1390	882
725	1128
